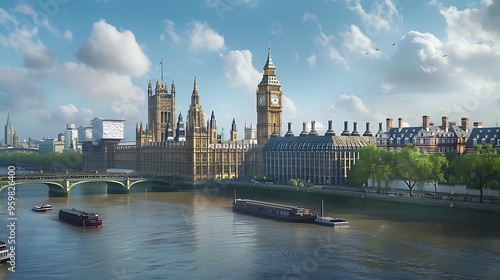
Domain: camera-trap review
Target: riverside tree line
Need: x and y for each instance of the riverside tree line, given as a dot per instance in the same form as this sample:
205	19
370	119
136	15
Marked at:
479	168
53	162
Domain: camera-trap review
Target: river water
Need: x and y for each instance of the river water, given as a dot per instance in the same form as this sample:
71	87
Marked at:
195	235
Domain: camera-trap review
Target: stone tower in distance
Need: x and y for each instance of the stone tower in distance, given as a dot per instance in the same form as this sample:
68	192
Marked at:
269	103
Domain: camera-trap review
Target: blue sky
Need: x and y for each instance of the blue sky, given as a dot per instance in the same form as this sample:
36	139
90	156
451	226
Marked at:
68	61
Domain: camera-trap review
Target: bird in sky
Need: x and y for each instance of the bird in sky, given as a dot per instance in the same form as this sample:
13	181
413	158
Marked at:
376	49
367	53
444	55
393	44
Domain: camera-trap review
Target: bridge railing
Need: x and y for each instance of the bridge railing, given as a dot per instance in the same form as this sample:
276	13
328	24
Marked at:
79	175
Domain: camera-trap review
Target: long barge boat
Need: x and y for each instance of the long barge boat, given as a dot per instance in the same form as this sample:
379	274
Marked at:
80	218
273	210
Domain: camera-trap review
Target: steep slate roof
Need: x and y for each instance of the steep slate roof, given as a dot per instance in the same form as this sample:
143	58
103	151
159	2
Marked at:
411	132
484	135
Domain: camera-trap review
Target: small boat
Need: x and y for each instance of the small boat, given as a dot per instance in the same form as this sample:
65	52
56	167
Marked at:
80	218
42	207
330	221
4	252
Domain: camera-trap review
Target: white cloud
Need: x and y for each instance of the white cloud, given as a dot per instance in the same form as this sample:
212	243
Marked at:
383	16
309	16
326	43
38	19
239	70
353	103
386	87
289	108
112	50
202	37
68	36
170	29
19	90
35	54
355	42
311	60
69	113
101	88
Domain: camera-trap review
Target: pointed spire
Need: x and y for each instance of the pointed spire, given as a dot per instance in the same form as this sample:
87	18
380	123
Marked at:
172	90
269	74
195	87
194	97
213	123
8	119
233	125
269	62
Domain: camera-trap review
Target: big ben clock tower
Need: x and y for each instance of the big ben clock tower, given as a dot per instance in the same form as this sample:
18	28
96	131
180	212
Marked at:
269	103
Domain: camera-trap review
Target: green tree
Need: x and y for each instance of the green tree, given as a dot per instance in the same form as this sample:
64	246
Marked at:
292	182
479	167
373	163
438	165
412	166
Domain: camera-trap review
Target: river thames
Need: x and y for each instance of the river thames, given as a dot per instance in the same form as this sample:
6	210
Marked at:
195	235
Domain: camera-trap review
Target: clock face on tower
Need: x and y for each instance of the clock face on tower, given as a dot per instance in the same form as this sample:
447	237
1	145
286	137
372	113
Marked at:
275	100
262	100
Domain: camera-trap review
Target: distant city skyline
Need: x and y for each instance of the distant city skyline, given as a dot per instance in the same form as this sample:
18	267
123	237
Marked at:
67	62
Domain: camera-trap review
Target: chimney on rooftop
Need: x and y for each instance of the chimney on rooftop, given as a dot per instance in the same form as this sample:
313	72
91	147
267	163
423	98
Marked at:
367	132
388	124
346	129
400	123
426	120
289	132
444	123
478	124
313	128
304	129
330	131
355	131
465	124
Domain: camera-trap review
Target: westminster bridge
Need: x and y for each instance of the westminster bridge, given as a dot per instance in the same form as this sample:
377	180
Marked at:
117	183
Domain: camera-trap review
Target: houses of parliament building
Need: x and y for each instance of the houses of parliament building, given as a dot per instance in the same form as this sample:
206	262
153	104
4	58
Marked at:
192	149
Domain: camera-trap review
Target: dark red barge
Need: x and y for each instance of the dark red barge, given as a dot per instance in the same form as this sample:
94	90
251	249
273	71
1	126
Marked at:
80	218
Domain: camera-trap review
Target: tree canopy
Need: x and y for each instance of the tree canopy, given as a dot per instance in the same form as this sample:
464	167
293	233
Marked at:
53	162
408	164
373	163
480	168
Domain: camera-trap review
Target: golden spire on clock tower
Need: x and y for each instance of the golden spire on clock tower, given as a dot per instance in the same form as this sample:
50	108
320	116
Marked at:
269	103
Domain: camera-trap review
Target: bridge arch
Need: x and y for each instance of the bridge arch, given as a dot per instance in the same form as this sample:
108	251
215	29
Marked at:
114	184
165	184
54	187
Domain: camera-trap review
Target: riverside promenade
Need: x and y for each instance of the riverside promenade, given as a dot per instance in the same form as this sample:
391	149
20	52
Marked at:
439	199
